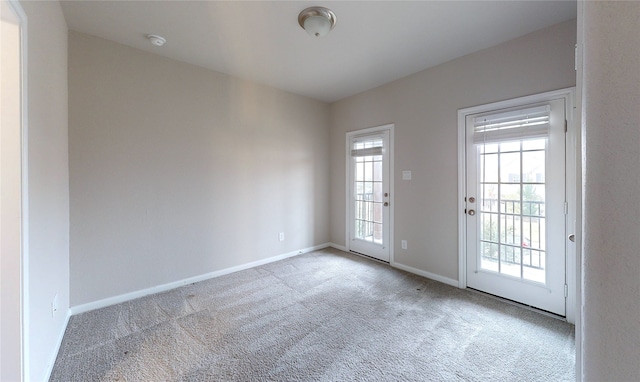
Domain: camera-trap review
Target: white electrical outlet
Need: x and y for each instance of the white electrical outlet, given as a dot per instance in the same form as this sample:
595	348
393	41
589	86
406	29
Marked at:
404	244
281	236
54	305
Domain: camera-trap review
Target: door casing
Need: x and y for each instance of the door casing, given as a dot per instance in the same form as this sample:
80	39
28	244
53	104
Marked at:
18	260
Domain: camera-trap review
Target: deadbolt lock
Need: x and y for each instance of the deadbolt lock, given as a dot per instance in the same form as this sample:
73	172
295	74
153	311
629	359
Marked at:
472	200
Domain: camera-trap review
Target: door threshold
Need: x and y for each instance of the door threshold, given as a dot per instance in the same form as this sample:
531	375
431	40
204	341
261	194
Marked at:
519	304
369	257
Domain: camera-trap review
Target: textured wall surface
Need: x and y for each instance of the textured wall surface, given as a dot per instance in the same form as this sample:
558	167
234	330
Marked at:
611	138
177	171
424	109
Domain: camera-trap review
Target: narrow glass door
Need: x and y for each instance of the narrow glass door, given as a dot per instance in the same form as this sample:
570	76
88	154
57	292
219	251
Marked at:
369	195
515	204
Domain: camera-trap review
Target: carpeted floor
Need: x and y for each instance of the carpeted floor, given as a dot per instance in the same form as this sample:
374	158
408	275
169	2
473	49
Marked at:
322	316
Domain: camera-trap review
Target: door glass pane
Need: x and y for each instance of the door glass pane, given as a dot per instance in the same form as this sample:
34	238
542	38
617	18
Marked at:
510	168
489	148
534	144
489	167
512	220
377	191
377	170
489	197
369	193
368	170
533	166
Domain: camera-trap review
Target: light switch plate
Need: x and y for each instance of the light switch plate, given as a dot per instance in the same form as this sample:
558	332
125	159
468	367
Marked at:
406	175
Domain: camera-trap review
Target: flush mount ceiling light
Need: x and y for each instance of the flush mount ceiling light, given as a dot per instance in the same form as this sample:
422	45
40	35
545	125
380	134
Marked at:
156	40
317	21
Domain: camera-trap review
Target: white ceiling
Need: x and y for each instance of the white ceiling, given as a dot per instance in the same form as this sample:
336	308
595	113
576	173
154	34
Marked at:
373	42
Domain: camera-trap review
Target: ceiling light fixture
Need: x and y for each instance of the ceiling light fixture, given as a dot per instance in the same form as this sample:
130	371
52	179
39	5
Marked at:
156	40
317	21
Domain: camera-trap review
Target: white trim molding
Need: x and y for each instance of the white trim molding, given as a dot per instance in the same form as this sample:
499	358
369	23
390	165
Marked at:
23	349
426	274
176	284
339	247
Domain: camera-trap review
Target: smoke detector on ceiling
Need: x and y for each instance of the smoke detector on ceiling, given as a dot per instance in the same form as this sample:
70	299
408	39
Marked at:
156	40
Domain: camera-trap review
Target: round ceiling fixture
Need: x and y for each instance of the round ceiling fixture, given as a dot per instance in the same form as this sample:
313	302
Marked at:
317	21
156	40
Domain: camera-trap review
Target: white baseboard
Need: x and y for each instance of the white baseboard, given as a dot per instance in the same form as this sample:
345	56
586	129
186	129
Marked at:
409	269
176	284
52	361
426	274
337	246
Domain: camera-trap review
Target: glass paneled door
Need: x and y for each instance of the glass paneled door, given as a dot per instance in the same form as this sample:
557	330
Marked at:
368	157
515	207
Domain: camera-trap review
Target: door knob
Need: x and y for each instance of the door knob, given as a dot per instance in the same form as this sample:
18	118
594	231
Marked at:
572	238
472	212
386	204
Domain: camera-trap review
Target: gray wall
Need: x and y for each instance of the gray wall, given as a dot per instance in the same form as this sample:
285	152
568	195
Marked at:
48	181
177	171
611	213
424	108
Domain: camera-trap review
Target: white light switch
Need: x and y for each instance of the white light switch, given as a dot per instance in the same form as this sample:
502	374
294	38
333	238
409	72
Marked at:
406	175
404	244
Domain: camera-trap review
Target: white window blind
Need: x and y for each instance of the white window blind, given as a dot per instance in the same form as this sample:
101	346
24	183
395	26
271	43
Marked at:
526	123
366	148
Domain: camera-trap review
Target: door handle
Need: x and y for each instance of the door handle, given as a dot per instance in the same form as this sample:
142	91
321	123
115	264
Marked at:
386	204
472	212
572	238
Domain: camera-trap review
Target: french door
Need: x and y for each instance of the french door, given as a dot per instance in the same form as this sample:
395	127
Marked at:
368	221
515	204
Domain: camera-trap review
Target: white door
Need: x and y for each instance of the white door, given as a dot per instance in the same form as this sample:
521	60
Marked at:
369	194
515	204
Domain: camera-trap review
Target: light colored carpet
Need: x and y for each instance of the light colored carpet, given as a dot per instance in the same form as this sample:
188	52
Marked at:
322	316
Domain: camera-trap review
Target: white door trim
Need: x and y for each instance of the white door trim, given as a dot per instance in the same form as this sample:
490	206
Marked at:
23	291
349	135
568	95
